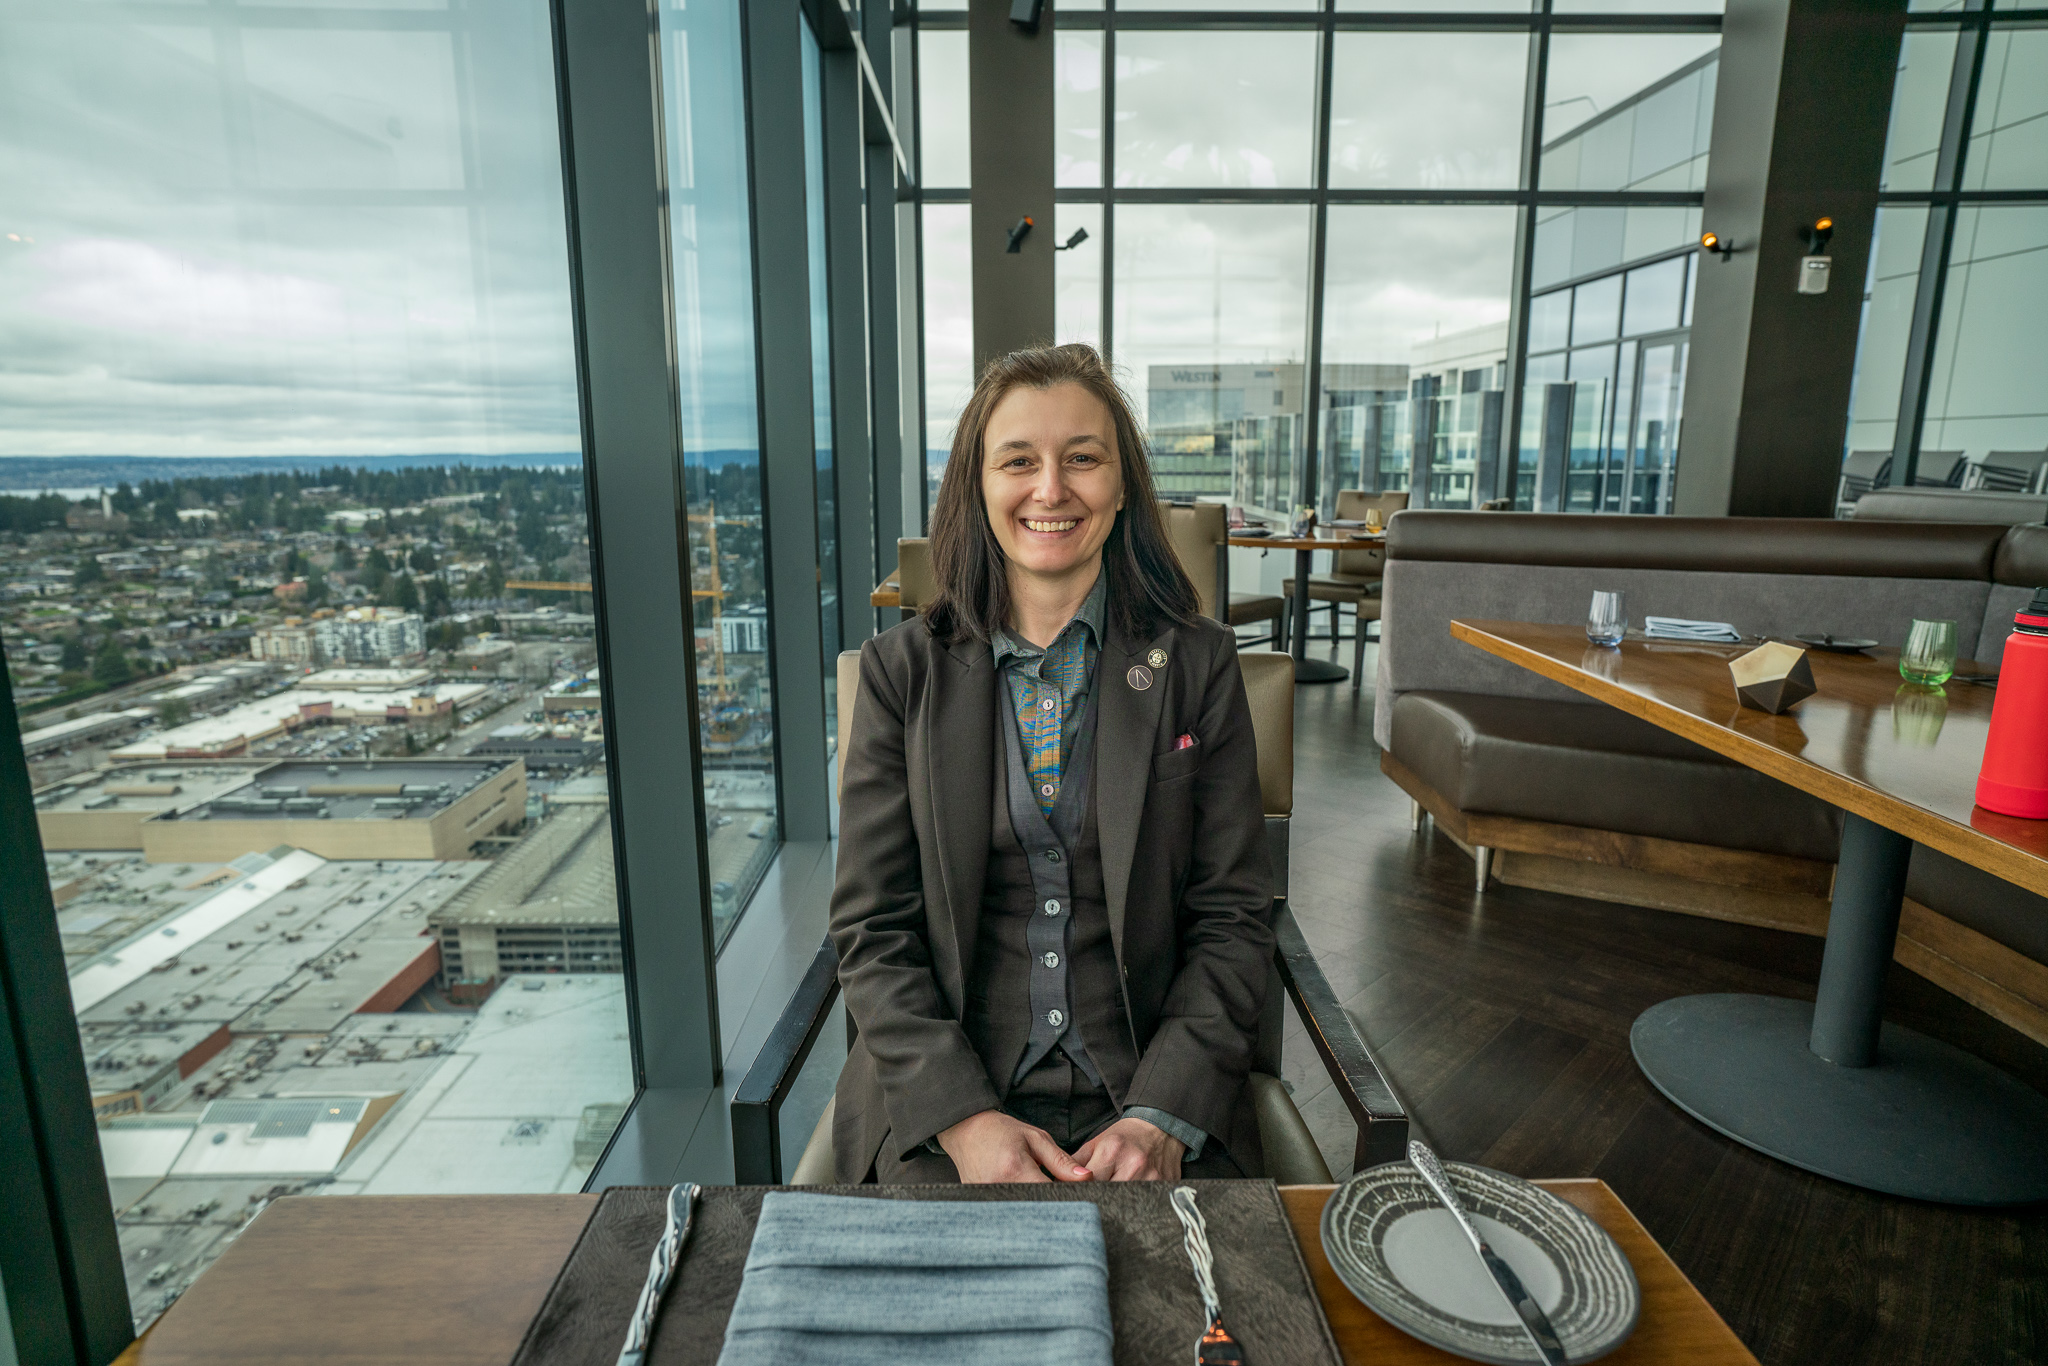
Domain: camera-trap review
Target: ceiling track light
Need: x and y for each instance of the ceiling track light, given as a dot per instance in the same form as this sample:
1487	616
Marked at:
1717	245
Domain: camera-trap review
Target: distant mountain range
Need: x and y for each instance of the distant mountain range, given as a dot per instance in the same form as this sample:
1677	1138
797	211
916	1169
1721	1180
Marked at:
33	473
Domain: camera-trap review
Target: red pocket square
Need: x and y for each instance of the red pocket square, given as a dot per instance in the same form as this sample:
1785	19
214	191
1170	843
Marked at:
1186	741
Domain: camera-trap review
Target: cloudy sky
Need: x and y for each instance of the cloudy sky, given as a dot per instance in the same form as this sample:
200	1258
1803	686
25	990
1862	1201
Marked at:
278	240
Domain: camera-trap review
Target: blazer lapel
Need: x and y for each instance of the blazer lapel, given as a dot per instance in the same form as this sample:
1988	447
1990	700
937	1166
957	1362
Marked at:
1124	731
960	736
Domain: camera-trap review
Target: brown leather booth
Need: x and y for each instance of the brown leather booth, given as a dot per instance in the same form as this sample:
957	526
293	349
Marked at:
1548	789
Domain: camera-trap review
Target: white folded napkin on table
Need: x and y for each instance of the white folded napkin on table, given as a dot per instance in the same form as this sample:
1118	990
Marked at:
1681	628
844	1280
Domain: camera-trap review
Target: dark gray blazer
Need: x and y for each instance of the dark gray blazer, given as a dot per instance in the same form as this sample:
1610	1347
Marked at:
1183	859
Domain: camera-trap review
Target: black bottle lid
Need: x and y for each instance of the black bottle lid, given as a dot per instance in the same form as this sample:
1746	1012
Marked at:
2033	618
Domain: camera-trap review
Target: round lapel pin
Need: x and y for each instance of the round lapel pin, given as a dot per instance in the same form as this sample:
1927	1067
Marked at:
1139	677
1157	659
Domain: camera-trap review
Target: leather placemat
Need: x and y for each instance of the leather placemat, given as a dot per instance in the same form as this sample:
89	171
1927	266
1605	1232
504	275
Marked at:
1268	1303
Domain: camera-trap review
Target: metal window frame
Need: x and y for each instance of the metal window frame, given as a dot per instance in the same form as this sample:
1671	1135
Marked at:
1540	22
66	1293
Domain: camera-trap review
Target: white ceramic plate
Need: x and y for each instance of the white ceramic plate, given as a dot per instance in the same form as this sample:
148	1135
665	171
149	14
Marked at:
1402	1253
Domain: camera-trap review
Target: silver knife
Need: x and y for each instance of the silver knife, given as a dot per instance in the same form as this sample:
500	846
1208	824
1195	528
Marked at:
1529	1313
661	1266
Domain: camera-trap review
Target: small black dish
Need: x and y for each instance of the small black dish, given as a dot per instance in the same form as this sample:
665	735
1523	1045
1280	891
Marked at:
1835	645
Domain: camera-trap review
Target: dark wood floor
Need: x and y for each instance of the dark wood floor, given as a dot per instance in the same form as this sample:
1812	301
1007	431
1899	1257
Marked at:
1504	1021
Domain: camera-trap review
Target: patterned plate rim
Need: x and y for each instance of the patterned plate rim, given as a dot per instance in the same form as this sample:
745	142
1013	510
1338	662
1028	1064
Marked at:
1589	1331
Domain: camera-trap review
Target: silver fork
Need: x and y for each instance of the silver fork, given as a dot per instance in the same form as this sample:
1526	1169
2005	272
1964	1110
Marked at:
1215	1347
661	1266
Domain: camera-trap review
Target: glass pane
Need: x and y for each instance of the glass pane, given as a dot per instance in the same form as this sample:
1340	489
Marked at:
942	108
1211	318
1214	108
1654	296
1427	110
1596	310
1660	394
711	238
1574	243
1077	107
1550	321
2009	134
1077	275
1919	102
1629	112
1893	283
821	373
1985	392
948	331
336	254
1415	349
1591	373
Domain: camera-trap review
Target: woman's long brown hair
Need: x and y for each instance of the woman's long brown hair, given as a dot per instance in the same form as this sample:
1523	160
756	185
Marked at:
1147	585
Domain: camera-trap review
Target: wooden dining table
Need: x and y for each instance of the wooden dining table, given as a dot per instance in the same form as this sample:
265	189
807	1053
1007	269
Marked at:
1308	670
1829	1086
454	1280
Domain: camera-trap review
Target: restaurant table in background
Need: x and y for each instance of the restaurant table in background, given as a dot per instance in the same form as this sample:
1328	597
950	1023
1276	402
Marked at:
1308	670
453	1280
1829	1086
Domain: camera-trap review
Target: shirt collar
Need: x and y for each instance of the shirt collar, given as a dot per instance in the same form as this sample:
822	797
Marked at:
1005	644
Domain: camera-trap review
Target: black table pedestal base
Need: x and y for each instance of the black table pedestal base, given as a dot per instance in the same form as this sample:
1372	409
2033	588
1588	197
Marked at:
1925	1121
1319	671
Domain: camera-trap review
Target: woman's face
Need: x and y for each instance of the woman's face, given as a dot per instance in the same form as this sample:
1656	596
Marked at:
1051	479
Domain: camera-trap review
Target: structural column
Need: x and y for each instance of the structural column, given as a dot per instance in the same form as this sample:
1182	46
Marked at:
1800	112
1010	116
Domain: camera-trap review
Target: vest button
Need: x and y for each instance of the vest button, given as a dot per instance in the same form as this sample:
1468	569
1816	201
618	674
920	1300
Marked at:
1052	960
1055	1018
1052	855
1052	906
1046	790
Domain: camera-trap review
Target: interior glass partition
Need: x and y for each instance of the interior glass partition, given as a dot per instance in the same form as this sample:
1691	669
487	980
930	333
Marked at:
308	677
821	371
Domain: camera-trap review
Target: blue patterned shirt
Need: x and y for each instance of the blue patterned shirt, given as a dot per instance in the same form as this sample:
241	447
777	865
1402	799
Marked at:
1046	688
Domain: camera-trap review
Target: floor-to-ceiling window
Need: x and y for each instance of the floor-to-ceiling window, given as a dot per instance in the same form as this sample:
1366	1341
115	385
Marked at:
297	559
1947	385
821	368
1310	227
713	281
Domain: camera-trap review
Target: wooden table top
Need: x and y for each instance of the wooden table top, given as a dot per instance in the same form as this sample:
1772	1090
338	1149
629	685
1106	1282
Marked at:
453	1280
1903	756
1343	540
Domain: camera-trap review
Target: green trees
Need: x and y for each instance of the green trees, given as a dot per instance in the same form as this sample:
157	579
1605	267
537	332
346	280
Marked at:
74	656
110	664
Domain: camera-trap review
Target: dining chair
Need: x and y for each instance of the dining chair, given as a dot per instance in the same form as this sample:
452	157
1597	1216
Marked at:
1356	574
1199	534
1292	1157
1862	471
2008	472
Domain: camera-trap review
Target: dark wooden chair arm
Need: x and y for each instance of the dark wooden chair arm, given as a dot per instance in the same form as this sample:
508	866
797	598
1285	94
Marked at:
1363	1086
1360	1081
757	1105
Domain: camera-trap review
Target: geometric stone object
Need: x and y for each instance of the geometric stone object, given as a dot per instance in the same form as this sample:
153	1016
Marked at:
1773	678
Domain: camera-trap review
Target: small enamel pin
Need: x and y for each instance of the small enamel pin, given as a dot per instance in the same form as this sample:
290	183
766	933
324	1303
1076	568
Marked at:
1157	659
1139	677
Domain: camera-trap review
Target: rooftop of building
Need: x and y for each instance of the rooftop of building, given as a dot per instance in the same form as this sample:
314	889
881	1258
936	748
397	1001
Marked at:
348	790
265	715
559	873
147	788
366	679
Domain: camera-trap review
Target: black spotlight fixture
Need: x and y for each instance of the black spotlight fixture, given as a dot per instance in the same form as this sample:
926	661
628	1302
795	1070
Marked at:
1080	236
1017	236
1716	244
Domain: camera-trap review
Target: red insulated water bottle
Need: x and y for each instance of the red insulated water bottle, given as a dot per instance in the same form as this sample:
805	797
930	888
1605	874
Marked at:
2014	778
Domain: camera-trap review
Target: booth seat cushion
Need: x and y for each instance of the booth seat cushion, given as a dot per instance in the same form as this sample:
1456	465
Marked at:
1987	904
1574	763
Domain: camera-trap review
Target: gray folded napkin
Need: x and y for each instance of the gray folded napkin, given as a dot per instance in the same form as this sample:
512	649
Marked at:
849	1281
